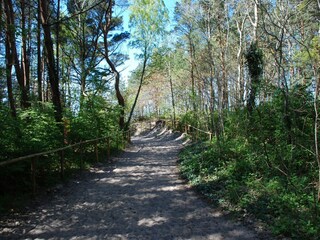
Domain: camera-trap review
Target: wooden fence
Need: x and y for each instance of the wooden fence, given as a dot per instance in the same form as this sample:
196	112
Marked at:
35	157
197	133
194	132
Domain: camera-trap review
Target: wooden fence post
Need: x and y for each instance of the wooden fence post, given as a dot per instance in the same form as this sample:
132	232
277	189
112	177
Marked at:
62	164
108	148
129	136
96	150
81	156
33	175
123	139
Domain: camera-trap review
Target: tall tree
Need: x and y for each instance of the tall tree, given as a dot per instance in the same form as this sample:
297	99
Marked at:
9	78
12	47
82	49
53	77
39	56
149	19
110	24
25	58
185	17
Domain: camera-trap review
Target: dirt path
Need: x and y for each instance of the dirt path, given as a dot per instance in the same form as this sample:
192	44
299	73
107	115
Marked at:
139	197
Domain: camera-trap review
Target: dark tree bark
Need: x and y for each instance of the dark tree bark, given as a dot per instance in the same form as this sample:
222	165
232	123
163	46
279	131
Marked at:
9	79
172	98
192	69
254	62
25	60
52	71
39	57
9	62
10	33
58	40
108	16
139	89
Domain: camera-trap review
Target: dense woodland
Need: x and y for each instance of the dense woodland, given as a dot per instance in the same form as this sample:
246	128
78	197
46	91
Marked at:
247	71
60	85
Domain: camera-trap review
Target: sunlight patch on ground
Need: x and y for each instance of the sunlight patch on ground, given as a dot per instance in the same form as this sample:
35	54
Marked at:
216	236
96	170
84	205
163	131
164	189
186	142
145	196
171	188
112	180
149	222
181	137
125	170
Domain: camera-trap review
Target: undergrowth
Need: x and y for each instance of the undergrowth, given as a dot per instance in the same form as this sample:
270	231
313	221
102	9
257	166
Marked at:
236	175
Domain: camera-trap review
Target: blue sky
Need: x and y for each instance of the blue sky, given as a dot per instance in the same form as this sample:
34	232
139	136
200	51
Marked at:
132	63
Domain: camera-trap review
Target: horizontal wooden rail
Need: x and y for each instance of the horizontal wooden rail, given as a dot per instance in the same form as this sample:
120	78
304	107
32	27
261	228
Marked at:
4	163
48	152
35	157
200	130
187	131
188	127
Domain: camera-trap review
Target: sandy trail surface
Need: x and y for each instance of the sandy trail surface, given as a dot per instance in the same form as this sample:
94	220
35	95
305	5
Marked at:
140	196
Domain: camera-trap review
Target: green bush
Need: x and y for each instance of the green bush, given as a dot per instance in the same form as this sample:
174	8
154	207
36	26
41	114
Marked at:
96	118
9	139
263	166
39	130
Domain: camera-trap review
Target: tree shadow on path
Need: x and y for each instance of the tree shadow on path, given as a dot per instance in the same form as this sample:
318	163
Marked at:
139	197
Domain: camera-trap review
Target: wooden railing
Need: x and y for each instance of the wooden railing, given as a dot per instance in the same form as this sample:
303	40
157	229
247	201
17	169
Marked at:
35	157
196	132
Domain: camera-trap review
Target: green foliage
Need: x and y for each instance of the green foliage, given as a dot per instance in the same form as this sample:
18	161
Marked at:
254	169
193	118
39	129
149	19
8	138
35	130
96	118
189	118
254	57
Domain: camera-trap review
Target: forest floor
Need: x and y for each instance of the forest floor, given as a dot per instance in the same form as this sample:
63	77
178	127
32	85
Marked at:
139	196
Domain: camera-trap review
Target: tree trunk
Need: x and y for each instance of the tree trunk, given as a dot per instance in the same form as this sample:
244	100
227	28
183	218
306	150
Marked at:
254	80
114	70
82	59
53	78
10	32
9	79
25	67
240	90
139	89
39	57
172	97
214	126
193	91
316	126
58	40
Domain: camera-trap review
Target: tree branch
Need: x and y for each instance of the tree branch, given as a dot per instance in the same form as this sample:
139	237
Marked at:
78	13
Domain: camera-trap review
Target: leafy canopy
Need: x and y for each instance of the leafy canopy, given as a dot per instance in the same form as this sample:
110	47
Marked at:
148	19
